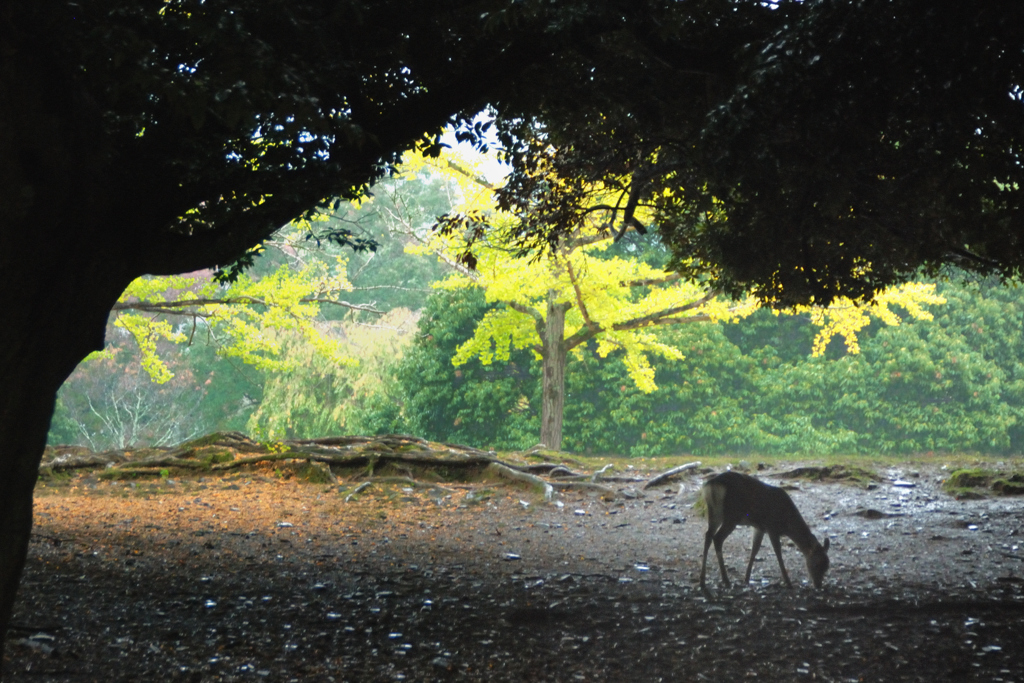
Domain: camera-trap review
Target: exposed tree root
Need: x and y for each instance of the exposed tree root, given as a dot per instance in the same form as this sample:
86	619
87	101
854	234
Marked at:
409	481
389	459
508	472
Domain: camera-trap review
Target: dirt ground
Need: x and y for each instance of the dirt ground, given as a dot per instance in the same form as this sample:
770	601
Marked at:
248	578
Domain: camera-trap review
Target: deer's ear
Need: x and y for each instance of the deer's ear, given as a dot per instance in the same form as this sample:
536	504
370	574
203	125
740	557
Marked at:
825	544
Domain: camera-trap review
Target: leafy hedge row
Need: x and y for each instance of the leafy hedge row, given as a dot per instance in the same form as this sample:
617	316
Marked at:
952	384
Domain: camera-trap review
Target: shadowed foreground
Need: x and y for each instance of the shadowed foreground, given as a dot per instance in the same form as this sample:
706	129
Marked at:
248	578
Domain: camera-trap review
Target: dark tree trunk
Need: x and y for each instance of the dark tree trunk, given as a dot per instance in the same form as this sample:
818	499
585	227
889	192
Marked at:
63	264
554	355
57	318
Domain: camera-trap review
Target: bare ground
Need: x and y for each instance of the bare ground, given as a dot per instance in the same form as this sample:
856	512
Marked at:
247	578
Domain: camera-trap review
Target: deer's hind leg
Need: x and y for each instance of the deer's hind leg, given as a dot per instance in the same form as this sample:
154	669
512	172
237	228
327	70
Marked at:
714	500
719	538
708	537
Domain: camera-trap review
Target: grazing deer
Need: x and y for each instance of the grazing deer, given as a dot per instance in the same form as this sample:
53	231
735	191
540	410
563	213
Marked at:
735	499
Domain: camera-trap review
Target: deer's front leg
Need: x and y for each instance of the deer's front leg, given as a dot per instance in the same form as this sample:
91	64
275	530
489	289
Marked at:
758	537
778	553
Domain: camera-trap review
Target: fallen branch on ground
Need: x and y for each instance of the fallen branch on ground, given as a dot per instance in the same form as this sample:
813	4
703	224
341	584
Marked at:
665	476
359	489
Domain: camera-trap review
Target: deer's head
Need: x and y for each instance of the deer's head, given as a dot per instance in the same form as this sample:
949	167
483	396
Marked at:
817	562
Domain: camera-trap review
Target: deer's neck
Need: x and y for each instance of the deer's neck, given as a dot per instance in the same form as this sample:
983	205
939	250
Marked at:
801	535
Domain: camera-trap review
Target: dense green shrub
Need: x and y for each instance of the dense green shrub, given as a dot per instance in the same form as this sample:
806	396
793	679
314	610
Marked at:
952	384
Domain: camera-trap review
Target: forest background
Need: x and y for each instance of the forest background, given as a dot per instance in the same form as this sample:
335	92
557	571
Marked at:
378	359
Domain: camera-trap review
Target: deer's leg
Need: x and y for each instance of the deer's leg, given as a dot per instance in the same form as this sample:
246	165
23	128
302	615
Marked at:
708	537
778	553
758	537
720	536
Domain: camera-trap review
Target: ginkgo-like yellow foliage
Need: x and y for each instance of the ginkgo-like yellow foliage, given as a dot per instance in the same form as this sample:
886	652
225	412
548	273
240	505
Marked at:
614	300
245	319
606	305
846	318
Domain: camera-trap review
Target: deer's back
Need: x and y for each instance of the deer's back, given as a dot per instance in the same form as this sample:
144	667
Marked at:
747	501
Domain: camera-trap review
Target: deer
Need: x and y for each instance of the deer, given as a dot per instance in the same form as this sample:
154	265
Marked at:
735	499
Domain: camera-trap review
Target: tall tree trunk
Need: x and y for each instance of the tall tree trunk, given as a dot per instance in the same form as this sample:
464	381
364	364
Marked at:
58	317
554	352
24	419
62	267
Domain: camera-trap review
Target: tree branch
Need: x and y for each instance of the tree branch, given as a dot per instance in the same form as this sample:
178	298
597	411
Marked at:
344	304
183	307
579	299
656	318
475	177
525	309
629	219
702	318
582	241
538	319
662	316
671	277
396	287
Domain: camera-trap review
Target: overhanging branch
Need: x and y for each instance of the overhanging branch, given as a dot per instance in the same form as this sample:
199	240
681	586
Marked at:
579	298
657	317
663	317
671	277
187	307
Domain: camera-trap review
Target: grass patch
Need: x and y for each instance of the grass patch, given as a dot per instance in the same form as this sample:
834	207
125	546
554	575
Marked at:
969	478
1009	486
976	482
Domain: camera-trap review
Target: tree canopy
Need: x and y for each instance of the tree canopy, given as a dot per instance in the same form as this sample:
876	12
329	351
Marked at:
807	150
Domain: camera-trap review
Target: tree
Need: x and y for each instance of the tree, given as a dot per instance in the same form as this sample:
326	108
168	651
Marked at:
245	318
281	319
557	304
563	299
255	321
159	138
400	210
112	403
571	294
946	385
488	405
